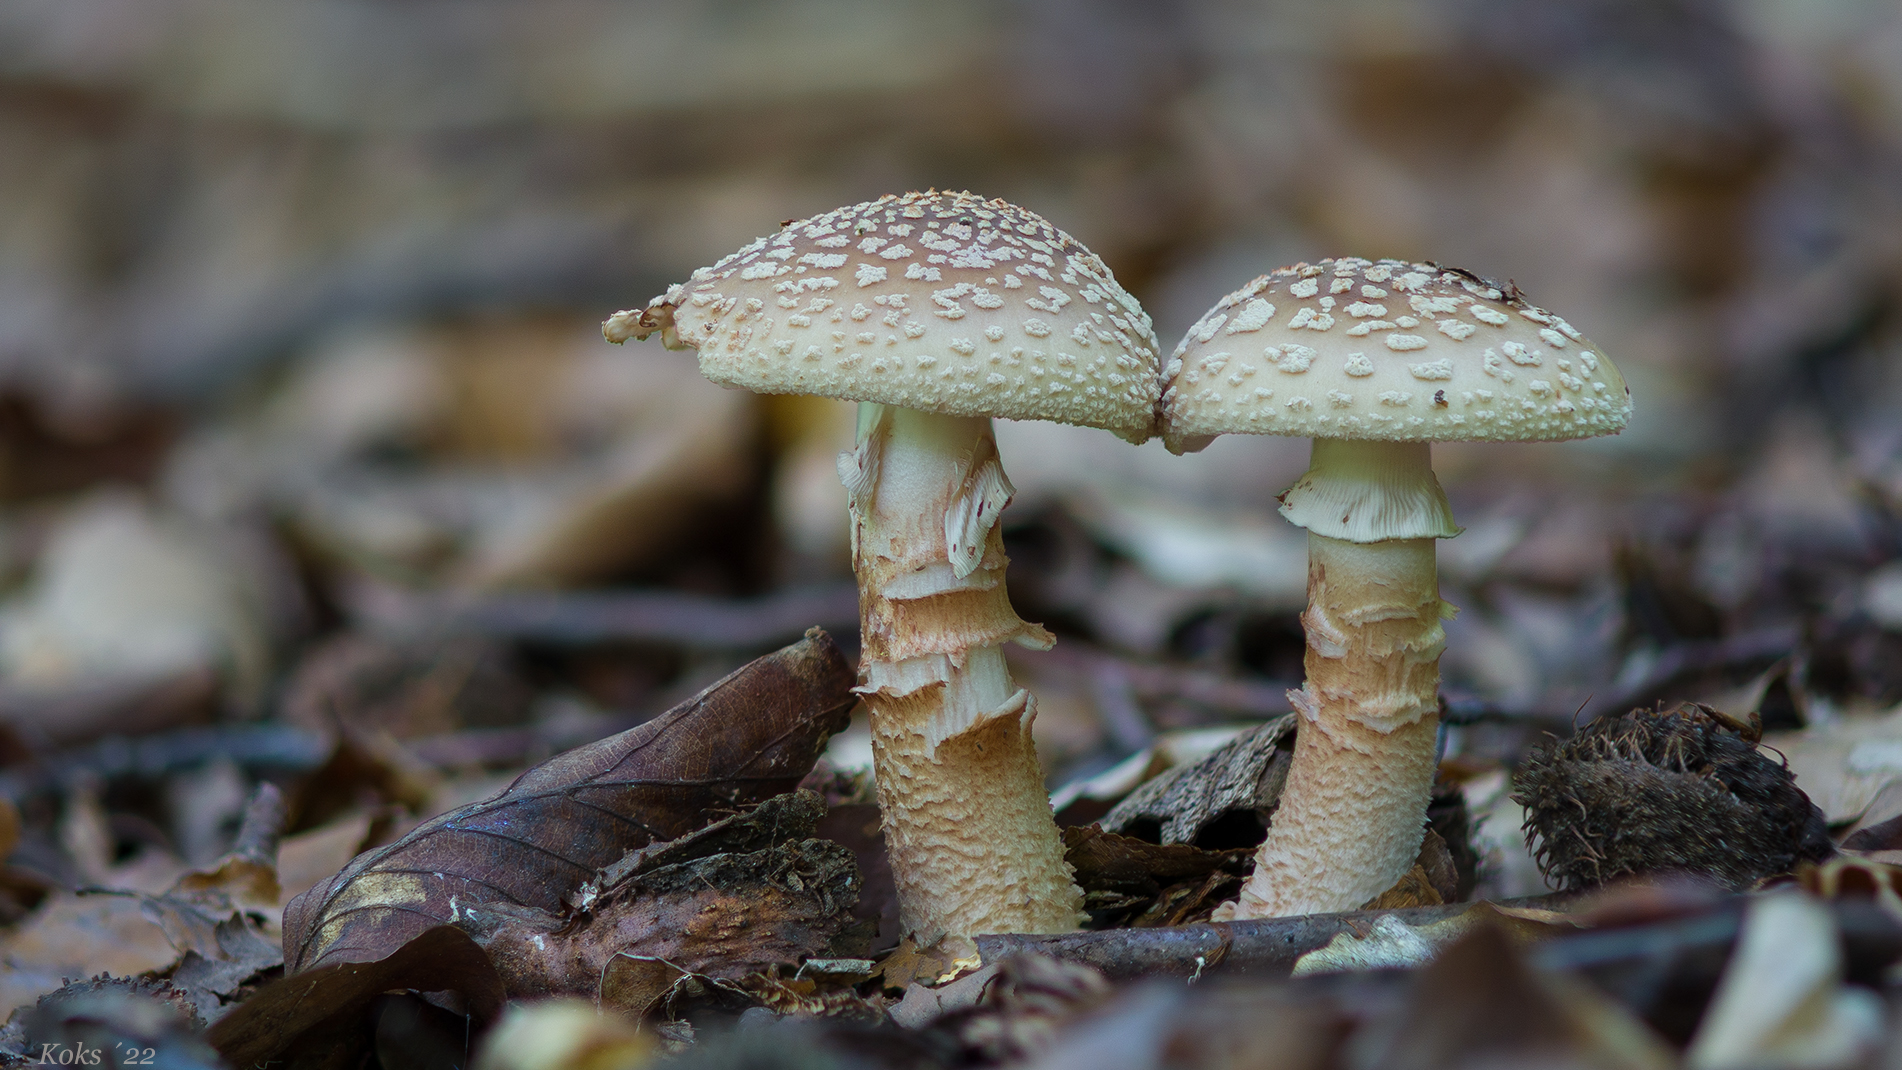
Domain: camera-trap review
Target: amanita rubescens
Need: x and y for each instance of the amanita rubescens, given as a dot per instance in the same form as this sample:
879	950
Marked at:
935	311
1373	361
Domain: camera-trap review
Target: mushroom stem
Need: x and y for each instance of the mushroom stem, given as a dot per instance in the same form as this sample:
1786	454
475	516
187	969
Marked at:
968	827
1350	820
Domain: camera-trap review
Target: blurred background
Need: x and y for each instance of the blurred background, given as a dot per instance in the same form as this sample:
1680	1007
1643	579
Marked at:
312	458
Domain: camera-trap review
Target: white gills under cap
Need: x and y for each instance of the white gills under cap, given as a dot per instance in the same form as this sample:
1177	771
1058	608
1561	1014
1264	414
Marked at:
1387	350
943	302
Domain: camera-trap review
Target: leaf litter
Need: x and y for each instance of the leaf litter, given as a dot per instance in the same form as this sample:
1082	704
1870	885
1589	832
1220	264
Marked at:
406	525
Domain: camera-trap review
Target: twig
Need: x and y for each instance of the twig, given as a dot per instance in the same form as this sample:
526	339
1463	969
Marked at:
1265	948
668	618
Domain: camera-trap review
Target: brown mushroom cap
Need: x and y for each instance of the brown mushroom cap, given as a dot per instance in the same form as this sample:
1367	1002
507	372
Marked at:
1388	350
943	302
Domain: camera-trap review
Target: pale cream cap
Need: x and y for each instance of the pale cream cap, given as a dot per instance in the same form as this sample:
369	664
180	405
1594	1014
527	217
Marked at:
944	302
1387	350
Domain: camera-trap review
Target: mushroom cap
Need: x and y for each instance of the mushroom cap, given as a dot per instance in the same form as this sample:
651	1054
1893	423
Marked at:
944	302
1389	350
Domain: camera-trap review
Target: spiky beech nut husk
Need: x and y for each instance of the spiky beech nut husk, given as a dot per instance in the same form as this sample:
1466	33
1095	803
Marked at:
1682	790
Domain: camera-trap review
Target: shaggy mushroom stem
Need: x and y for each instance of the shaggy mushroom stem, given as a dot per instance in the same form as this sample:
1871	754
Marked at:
967	821
1353	813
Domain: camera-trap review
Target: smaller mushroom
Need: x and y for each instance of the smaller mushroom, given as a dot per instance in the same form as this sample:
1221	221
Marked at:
935	311
1374	361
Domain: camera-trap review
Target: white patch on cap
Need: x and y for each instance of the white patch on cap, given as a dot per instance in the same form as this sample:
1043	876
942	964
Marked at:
1404	342
1292	358
1310	319
1253	317
1206	327
1358	365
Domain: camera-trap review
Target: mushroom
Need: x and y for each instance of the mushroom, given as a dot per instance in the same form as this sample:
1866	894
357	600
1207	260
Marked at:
1374	361
935	311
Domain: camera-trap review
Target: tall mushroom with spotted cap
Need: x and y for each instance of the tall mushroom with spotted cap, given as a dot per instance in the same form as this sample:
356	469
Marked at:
1373	361
935	311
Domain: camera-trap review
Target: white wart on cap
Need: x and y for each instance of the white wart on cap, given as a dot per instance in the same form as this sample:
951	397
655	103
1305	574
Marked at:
944	302
1388	350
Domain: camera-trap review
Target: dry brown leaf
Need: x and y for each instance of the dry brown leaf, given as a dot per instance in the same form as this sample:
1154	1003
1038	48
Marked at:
136	1021
1855	876
1782	1000
942	962
309	857
73	936
213	931
1413	889
1016	1014
1390	942
748	737
1479	1003
707	904
317	1018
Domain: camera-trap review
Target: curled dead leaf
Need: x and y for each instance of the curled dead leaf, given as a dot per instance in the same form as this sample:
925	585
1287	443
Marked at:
703	905
317	1018
748	737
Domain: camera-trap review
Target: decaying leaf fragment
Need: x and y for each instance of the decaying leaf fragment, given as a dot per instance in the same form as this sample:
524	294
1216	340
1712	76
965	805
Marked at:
1782	1001
1479	1003
1391	942
139	1022
1011	1010
1135	882
1243	777
1848	876
561	1033
317	1018
746	738
749	893
210	934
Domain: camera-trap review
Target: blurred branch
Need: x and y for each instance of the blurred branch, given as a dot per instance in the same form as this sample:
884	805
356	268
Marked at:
1268	948
1154	684
668	618
257	747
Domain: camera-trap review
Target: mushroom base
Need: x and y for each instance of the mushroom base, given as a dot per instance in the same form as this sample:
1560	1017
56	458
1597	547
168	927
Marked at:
967	821
1353	813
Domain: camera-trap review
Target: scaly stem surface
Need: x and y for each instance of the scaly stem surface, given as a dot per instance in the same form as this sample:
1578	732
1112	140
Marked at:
1352	815
968	828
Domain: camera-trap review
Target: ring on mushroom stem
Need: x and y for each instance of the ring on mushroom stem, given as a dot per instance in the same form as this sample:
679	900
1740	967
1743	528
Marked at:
935	311
1373	360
